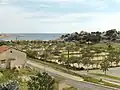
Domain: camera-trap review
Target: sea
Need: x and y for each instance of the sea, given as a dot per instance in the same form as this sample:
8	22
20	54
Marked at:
31	36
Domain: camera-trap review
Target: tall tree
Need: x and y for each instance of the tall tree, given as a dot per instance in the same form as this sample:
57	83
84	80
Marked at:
62	58
69	47
87	56
73	61
112	53
105	65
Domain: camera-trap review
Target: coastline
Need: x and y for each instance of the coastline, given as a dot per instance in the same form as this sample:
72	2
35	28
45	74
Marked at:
31	36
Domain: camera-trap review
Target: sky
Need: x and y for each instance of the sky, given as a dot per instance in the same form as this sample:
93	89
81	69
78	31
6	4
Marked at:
58	16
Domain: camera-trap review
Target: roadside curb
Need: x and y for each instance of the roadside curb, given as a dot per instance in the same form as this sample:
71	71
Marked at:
101	85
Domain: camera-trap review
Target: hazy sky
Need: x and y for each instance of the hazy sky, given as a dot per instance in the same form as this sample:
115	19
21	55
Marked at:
58	15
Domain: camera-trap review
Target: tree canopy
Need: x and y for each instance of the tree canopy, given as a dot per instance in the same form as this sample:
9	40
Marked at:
41	81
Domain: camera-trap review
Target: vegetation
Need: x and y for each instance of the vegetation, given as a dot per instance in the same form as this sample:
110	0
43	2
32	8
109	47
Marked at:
105	65
107	76
94	37
71	88
15	78
77	51
85	77
10	86
72	55
41	82
25	79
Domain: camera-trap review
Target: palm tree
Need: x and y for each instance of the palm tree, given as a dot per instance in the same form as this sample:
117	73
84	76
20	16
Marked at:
68	48
105	65
73	60
111	52
111	57
87	57
47	52
62	58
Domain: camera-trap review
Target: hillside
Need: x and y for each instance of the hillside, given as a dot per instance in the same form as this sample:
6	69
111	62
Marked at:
95	37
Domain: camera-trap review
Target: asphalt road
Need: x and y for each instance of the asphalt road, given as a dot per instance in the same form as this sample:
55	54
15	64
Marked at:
70	79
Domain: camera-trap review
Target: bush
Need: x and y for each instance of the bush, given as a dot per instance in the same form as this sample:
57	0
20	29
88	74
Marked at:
82	68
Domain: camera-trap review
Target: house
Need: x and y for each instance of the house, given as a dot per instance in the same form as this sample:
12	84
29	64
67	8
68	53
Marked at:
10	57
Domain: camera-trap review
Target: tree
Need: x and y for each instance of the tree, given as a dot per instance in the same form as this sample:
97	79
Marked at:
105	65
62	58
41	82
47	52
111	55
3	43
73	60
79	61
32	54
97	51
117	58
68	48
87	56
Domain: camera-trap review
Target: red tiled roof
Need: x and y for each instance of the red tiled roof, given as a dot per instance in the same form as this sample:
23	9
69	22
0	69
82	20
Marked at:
3	48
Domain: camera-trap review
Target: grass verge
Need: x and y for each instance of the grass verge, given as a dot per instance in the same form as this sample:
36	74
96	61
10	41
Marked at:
106	76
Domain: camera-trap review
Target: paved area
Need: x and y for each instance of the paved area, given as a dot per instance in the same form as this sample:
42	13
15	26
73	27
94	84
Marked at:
112	71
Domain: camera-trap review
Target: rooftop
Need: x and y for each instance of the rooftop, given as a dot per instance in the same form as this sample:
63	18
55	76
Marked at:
3	48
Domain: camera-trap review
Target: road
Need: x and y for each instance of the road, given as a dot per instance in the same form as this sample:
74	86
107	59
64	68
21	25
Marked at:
70	79
110	80
112	71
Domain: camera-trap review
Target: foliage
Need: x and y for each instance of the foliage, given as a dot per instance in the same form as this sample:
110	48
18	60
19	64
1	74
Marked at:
105	65
107	76
10	86
32	54
94	37
87	57
41	82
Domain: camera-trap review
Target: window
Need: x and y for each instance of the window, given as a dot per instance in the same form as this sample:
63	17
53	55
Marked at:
2	61
10	51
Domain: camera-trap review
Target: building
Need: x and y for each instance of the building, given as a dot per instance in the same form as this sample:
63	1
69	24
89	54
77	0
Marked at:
10	57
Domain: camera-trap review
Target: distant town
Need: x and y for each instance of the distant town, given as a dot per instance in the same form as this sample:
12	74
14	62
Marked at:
77	61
